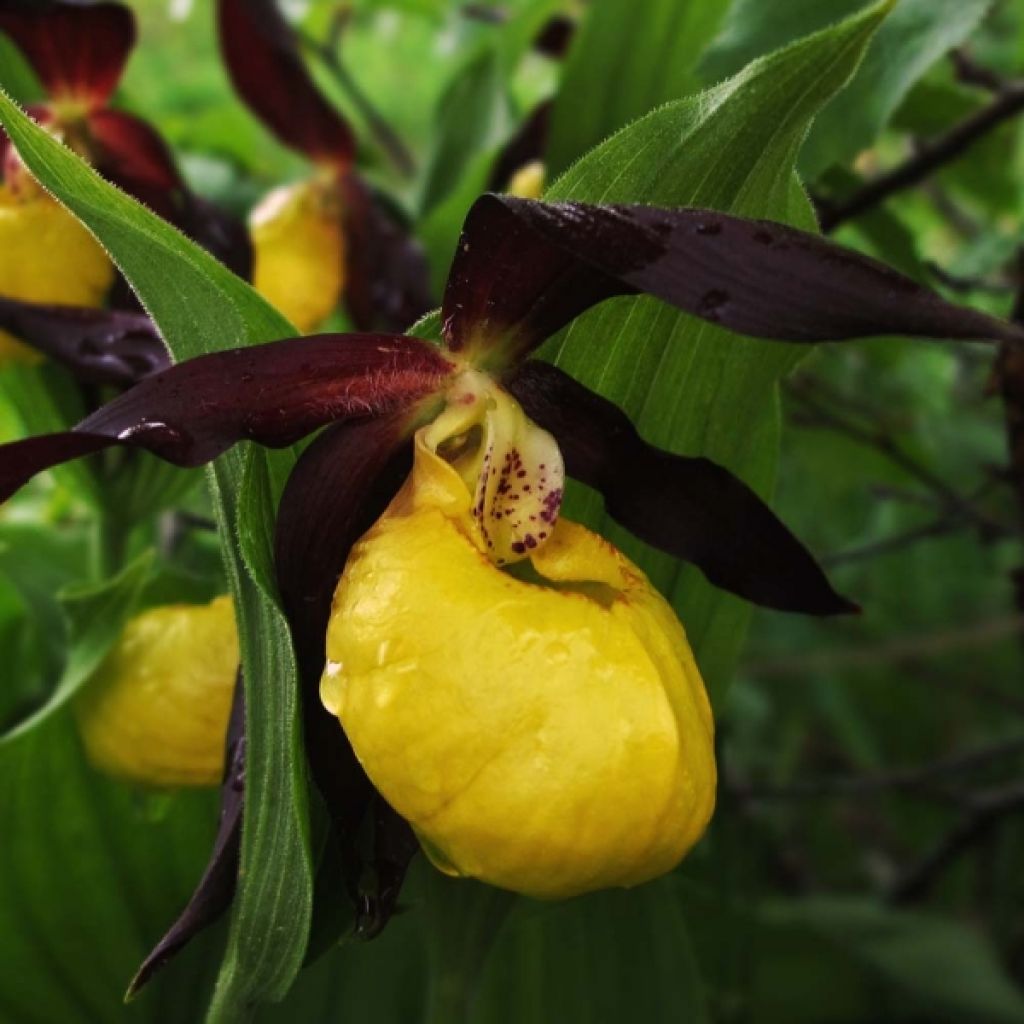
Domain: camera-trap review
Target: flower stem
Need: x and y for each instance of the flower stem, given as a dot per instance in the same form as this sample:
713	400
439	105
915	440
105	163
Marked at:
107	546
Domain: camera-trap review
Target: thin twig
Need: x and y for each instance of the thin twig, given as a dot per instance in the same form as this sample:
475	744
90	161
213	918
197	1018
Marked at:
917	647
915	779
963	223
967	284
386	137
931	156
485	13
958	505
986	812
969	72
886	546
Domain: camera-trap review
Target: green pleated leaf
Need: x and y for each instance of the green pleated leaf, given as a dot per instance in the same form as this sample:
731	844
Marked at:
19	78
200	307
870	962
473	120
629	57
688	386
94	615
90	871
917	34
614	956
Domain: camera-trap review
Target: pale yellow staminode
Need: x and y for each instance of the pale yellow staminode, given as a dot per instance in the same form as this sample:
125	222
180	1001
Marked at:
528	181
45	256
543	729
299	251
156	712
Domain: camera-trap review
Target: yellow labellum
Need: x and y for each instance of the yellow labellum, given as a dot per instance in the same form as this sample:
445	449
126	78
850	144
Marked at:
156	711
46	256
299	251
545	730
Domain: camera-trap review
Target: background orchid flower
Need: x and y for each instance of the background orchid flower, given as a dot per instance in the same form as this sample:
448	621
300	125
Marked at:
100	346
328	237
523	270
78	52
155	711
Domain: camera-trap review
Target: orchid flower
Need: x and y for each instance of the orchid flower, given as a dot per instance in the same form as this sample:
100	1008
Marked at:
78	51
478	643
155	710
329	236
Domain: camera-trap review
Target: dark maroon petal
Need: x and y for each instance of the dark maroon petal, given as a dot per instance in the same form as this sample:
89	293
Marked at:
754	277
78	49
273	394
98	345
216	888
218	232
509	287
337	490
266	67
130	153
555	37
689	507
387	284
528	144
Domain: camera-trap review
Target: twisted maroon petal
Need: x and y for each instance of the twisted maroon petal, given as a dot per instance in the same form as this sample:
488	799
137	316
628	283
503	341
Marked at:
387	286
273	394
524	269
216	888
689	507
263	60
78	49
337	490
98	345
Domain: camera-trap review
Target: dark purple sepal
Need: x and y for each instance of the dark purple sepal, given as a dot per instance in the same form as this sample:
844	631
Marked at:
220	233
263	59
555	38
134	156
216	887
387	286
78	49
753	277
273	394
690	508
100	346
528	144
339	487
130	153
509	288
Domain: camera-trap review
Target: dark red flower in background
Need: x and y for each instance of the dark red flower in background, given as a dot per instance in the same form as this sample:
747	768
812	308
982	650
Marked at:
385	277
79	50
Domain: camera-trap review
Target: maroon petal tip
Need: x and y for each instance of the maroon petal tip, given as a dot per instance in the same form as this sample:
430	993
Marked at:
262	57
77	49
